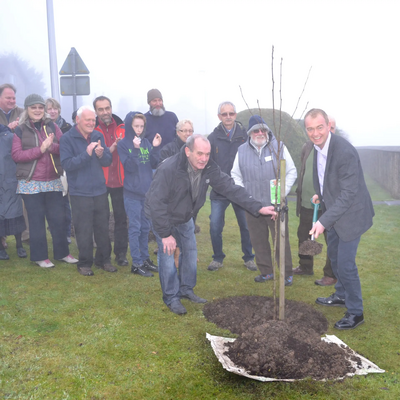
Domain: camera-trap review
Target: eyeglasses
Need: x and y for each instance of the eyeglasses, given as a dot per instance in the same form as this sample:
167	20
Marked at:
259	130
186	130
227	114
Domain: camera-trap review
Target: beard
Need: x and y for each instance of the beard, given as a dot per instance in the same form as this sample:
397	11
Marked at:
259	142
157	112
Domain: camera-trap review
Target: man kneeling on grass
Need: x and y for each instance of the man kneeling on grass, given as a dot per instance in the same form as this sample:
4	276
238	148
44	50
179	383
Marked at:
177	193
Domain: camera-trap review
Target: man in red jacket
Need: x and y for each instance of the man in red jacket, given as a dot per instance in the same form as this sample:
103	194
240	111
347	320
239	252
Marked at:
113	130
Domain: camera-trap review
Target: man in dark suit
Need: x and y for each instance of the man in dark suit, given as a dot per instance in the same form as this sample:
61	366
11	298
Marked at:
347	212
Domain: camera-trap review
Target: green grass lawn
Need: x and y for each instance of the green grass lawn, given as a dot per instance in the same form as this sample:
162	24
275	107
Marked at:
65	336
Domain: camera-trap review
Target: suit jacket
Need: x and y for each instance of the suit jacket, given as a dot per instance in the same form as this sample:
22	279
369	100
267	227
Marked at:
347	205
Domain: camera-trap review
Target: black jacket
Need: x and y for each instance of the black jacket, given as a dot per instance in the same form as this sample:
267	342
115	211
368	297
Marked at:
169	199
171	148
223	149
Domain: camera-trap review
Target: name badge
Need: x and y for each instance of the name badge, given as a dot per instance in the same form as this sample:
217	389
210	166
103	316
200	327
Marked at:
269	158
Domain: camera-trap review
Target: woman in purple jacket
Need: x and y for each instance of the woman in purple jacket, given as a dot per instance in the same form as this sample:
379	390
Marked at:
36	151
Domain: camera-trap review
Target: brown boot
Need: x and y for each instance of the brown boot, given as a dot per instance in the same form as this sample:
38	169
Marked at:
326	281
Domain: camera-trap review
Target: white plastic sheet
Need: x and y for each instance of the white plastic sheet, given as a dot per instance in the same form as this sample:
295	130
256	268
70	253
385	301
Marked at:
218	344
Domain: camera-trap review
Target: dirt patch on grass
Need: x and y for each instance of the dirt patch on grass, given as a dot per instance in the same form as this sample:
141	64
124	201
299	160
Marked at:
290	349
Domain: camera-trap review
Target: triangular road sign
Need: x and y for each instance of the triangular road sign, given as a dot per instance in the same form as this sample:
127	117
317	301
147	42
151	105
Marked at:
73	64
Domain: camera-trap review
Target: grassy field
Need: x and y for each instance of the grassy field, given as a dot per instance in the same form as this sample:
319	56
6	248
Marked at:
65	336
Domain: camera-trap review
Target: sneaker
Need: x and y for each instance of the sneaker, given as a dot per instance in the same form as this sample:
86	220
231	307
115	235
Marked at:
108	267
45	263
140	270
121	260
250	265
289	281
150	266
69	259
69	239
177	307
215	265
85	271
21	252
263	278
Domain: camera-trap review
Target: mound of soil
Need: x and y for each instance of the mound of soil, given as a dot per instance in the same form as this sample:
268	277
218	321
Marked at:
290	349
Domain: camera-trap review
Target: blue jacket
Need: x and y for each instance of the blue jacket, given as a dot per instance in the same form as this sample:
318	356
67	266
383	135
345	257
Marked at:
164	125
84	173
138	163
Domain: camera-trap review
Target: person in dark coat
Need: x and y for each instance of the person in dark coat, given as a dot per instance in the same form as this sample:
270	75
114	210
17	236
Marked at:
347	213
11	216
177	193
184	129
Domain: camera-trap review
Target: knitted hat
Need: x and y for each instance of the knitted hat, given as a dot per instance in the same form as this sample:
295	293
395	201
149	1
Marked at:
153	94
256	122
33	99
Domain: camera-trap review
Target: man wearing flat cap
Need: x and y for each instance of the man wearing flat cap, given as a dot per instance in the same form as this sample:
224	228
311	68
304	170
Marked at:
159	120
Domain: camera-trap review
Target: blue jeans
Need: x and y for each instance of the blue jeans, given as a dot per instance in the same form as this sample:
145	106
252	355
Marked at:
343	258
138	230
178	282
217	223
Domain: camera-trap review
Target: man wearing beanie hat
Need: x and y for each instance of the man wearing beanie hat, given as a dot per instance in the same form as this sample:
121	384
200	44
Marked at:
254	168
158	120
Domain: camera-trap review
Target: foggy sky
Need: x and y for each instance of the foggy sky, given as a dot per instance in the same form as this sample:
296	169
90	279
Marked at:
198	53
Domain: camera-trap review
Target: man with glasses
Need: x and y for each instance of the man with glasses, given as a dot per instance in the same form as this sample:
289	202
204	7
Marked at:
225	141
255	168
159	120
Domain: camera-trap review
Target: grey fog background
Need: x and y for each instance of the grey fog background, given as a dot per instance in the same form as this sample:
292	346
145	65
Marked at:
198	53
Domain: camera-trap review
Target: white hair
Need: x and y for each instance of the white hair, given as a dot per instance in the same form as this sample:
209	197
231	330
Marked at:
84	108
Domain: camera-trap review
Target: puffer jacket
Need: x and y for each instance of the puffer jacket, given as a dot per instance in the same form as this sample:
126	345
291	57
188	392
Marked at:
32	164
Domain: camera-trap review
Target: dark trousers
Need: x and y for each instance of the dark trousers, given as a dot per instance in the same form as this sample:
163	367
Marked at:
120	221
50	206
343	255
90	215
259	228
306	263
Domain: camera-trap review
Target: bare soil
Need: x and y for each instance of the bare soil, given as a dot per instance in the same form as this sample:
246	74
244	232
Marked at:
289	349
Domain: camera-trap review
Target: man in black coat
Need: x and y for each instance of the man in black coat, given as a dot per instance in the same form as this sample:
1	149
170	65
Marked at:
347	212
177	193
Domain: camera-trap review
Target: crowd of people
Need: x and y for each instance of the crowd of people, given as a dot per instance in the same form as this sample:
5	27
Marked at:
157	172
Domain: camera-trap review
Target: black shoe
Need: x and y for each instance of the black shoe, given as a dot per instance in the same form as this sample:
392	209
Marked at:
21	252
140	270
331	301
177	307
4	255
192	297
350	321
149	265
121	260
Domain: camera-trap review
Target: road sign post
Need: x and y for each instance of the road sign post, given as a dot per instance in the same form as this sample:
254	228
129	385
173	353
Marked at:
74	85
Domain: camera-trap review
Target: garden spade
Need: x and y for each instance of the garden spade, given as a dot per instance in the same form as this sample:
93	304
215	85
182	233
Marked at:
311	247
